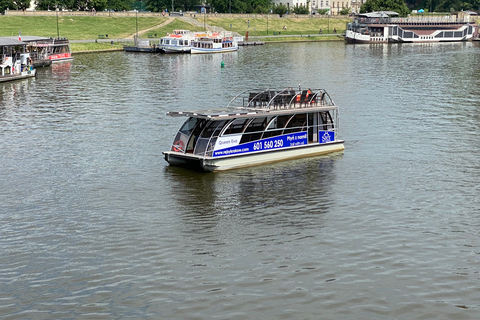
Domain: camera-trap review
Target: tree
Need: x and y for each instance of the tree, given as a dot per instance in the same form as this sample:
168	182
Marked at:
159	5
54	4
279	9
99	5
300	9
6	4
119	5
345	11
397	6
21	4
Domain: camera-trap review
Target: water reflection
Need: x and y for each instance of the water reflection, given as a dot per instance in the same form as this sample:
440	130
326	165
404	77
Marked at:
291	193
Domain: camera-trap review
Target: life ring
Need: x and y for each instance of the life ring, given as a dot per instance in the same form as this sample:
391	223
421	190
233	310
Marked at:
178	146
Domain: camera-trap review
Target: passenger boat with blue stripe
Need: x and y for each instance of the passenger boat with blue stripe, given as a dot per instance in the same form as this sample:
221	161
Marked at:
257	127
387	27
214	42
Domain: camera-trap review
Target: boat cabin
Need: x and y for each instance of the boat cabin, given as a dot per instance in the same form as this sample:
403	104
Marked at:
15	61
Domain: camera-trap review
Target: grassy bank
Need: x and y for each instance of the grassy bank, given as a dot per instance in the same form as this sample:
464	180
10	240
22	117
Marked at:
89	27
260	26
75	27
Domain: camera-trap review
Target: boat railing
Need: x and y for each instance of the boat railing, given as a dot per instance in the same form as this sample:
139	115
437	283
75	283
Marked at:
416	20
286	98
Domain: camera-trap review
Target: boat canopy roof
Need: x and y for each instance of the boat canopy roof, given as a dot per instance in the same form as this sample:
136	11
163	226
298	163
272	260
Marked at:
29	38
379	14
7	41
252	103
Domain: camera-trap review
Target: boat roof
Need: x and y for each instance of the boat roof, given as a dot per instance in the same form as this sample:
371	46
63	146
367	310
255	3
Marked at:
270	102
7	41
378	14
28	38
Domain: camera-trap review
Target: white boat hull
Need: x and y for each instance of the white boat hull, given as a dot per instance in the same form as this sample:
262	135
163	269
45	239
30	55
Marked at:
178	49
251	159
22	75
214	50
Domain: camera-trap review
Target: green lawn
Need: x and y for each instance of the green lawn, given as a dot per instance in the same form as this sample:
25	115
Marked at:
258	26
88	27
75	27
177	24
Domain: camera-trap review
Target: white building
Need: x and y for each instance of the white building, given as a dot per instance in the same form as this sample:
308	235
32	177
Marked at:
333	6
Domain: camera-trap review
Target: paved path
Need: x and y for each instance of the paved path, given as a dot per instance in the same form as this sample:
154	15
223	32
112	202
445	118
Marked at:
199	24
170	20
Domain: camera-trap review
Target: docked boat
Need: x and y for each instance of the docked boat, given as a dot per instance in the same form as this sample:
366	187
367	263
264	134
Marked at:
214	43
45	51
386	26
15	61
180	41
257	127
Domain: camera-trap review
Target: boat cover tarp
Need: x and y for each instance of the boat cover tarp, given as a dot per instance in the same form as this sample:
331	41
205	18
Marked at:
29	38
7	41
378	14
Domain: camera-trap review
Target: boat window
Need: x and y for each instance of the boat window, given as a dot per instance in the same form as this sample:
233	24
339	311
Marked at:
276	126
326	121
255	128
195	133
212	127
257	124
236	126
297	123
208	137
282	121
189	125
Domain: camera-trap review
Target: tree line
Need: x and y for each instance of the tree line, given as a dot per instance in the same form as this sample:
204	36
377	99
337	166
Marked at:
233	6
220	6
403	8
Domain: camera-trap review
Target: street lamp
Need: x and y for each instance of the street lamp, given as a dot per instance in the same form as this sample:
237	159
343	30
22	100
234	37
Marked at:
328	21
58	33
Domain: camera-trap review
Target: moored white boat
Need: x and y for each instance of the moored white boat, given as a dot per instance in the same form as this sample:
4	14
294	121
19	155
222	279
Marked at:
180	41
215	42
386	26
15	62
264	126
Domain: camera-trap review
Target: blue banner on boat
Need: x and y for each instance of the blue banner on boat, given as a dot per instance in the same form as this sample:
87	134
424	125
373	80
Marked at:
278	142
326	136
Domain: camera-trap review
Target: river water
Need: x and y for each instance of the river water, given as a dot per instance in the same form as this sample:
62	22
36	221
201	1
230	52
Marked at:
96	225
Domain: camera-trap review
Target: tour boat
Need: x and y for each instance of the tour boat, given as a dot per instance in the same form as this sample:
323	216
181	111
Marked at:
214	43
386	26
45	51
256	127
180	41
15	61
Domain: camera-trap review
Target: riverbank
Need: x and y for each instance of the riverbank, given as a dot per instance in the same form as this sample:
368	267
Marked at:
116	28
